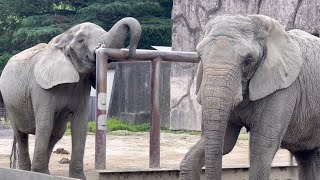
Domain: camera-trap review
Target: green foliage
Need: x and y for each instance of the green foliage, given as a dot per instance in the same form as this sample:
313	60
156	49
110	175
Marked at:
4	59
31	36
25	23
5	123
35	21
92	127
155	31
114	124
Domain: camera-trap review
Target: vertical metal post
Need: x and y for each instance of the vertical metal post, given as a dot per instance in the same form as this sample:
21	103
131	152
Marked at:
154	156
101	109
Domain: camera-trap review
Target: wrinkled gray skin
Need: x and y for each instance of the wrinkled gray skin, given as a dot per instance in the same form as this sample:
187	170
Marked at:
254	74
48	85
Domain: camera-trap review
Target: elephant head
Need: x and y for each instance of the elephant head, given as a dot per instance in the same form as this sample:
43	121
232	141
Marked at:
243	58
71	54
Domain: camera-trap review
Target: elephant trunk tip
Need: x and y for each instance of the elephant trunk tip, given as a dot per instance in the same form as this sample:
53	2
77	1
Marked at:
132	52
118	34
135	32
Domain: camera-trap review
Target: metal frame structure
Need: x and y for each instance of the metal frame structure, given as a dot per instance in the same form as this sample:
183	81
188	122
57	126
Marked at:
156	57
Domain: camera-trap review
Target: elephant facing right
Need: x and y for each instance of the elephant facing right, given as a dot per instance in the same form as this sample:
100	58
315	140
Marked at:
254	74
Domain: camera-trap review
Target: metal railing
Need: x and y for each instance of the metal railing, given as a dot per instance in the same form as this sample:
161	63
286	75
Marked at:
156	57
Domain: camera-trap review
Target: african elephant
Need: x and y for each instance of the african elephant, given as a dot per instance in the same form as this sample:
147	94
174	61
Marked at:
254	74
48	85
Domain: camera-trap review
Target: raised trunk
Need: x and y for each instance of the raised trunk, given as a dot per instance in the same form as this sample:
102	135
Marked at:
218	98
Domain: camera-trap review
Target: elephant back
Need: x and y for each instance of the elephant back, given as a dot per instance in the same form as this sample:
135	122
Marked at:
28	53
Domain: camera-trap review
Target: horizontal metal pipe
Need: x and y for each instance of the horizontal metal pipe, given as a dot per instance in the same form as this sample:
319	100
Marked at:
145	55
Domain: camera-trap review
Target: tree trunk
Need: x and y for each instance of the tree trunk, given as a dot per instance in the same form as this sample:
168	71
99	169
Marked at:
189	19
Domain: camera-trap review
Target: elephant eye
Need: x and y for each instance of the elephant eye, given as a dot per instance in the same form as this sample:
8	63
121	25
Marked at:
248	60
80	40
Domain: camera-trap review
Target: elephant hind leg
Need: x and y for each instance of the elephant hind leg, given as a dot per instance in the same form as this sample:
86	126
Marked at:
308	164
24	162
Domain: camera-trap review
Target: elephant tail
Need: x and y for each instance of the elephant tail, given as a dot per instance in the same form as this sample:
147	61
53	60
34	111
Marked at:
13	156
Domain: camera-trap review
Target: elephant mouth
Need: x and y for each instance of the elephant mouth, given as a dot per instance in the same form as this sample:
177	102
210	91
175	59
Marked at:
90	62
93	60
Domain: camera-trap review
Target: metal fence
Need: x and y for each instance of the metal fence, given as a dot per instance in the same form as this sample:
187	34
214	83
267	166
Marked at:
156	57
3	113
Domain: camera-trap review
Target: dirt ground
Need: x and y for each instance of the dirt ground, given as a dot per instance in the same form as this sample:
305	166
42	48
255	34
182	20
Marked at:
132	152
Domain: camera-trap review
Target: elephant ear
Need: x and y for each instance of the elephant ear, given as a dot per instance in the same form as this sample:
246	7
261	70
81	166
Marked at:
282	62
54	68
199	81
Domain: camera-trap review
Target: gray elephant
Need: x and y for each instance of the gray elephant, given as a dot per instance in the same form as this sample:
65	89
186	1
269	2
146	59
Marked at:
48	85
254	74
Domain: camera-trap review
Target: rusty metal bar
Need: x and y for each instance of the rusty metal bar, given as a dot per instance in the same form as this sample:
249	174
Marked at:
154	155
101	109
145	55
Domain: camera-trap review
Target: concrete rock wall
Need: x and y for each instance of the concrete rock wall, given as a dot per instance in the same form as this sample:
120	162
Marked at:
131	91
189	19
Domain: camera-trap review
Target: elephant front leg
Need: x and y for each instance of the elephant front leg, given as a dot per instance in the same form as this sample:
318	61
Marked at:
79	133
265	140
190	166
44	124
266	132
262	151
194	160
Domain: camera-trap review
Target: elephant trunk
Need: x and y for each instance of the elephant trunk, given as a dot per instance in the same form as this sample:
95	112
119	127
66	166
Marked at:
118	33
218	97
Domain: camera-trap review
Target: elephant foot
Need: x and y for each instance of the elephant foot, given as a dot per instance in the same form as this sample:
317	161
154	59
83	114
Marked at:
77	174
25	167
41	170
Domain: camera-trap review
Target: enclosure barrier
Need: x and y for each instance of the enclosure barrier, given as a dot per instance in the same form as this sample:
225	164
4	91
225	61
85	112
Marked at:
156	57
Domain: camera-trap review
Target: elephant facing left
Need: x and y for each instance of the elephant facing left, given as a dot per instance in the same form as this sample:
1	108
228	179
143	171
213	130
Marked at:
48	85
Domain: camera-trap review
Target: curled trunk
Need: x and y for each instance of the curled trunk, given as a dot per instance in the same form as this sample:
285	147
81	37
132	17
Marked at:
118	33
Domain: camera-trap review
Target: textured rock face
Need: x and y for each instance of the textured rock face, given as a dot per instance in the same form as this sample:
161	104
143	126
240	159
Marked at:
189	19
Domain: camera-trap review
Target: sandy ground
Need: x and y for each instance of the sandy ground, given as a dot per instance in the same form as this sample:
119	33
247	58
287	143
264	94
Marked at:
132	152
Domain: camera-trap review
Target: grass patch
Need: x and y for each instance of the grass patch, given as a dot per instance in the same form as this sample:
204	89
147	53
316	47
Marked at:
115	123
68	132
181	132
92	127
5	123
243	136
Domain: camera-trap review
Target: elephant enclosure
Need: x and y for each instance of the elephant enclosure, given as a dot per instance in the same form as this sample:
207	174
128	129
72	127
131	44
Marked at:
126	150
